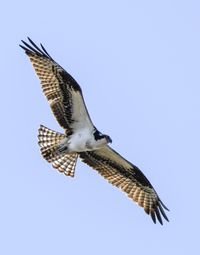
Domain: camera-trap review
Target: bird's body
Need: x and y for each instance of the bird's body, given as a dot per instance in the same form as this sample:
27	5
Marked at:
81	138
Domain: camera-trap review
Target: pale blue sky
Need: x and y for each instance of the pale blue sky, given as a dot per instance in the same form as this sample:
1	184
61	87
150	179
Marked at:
138	65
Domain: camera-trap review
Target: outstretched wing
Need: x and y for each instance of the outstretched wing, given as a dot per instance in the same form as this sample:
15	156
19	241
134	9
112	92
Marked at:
128	178
62	91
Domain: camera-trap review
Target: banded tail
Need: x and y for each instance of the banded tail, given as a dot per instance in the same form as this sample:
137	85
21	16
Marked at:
48	141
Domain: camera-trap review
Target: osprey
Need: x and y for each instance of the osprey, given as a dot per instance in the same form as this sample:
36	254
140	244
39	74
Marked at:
81	138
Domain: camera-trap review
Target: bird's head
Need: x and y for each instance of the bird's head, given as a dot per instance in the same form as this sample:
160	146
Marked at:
108	139
104	139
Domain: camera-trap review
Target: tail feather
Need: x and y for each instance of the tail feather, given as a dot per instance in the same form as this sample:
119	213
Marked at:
66	163
48	141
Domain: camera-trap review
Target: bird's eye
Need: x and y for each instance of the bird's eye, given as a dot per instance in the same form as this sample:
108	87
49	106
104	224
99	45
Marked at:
98	135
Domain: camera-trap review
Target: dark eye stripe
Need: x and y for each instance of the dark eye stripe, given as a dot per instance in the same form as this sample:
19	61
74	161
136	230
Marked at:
98	135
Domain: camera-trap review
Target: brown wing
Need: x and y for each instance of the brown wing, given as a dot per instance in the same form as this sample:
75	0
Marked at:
128	178
62	91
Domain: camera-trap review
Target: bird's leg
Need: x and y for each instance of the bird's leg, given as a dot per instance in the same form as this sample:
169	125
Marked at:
63	146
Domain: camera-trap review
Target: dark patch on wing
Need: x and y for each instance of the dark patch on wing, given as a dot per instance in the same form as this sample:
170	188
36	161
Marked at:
67	102
134	173
66	95
68	79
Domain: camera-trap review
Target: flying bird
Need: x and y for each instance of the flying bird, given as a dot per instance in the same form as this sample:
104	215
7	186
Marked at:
81	138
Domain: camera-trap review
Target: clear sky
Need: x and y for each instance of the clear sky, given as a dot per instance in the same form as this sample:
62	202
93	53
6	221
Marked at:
138	65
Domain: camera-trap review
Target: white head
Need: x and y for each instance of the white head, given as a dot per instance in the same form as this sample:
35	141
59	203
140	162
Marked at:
101	139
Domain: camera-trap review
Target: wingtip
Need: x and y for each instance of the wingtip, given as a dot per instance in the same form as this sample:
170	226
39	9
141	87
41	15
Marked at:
31	41
24	48
153	217
164	206
31	48
157	214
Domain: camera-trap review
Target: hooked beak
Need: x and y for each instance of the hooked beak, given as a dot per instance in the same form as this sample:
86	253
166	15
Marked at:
109	140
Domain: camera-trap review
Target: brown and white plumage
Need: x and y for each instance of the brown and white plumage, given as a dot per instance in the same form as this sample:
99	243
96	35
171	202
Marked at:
126	176
59	88
82	139
48	141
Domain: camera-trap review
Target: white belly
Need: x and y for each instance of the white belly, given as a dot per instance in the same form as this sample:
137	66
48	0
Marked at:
81	141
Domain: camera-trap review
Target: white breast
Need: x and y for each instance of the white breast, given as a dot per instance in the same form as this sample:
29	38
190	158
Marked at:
84	140
81	141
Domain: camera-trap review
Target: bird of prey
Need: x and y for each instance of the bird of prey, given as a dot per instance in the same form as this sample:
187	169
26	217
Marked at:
81	138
